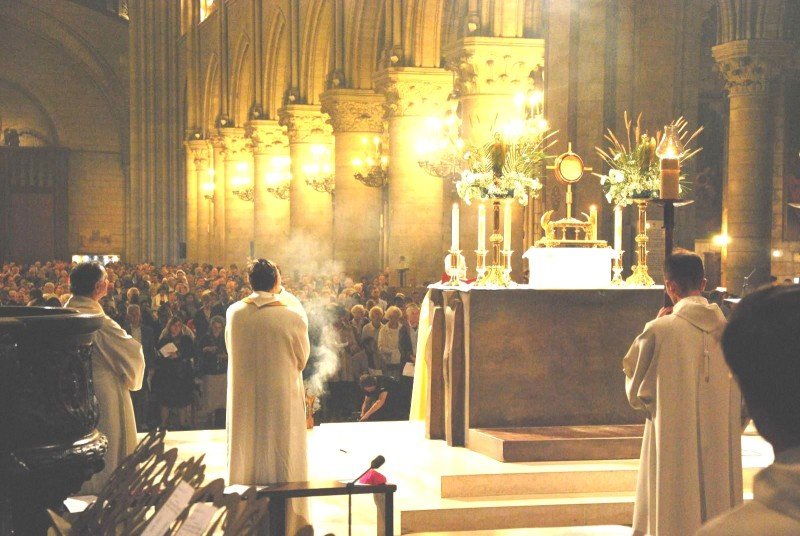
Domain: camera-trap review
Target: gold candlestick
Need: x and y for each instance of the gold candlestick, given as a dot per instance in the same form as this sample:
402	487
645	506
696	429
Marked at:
496	274
453	268
480	262
640	276
617	269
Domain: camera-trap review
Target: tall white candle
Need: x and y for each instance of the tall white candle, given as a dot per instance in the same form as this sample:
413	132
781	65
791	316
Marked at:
481	227
454	236
507	227
593	221
617	228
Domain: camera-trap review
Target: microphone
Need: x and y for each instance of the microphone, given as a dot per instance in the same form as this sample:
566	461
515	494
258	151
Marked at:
374	464
746	282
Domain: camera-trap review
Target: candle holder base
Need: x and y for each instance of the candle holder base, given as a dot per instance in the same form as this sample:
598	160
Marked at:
495	276
640	277
453	265
617	280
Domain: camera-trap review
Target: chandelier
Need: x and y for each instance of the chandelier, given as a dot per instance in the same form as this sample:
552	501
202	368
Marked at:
319	172
279	176
371	168
241	184
441	154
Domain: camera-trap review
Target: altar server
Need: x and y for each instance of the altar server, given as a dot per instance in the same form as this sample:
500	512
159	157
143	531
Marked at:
267	339
691	463
117	369
761	345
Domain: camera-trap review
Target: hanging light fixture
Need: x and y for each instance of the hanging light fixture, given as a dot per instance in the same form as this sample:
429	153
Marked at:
371	168
319	171
277	179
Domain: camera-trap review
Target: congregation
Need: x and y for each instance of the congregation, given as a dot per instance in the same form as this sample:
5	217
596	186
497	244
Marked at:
356	328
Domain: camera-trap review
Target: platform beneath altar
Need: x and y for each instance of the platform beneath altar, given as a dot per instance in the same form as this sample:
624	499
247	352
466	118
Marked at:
527	358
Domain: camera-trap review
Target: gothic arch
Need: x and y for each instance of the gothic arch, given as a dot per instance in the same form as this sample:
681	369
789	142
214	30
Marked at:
211	94
241	81
361	59
276	63
424	33
316	47
50	136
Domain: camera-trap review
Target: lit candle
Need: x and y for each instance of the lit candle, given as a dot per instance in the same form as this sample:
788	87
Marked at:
454	236
507	227
481	227
593	221
617	228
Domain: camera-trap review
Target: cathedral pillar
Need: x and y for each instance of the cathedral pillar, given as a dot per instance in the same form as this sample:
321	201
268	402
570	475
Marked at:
489	73
216	247
415	223
238	213
190	235
356	116
271	206
748	68
310	211
197	227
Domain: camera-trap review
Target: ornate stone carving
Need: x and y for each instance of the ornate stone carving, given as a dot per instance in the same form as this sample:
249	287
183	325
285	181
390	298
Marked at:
748	67
494	64
267	136
353	110
305	123
236	143
200	152
414	91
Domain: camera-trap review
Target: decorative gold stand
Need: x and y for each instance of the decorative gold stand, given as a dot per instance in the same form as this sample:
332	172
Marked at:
454	270
480	262
499	272
640	276
617	269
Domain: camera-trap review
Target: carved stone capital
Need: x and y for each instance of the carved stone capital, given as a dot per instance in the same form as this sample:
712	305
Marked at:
496	65
237	145
199	151
749	67
305	123
267	136
354	110
414	91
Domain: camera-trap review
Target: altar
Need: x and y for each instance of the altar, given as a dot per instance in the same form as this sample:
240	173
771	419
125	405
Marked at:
535	361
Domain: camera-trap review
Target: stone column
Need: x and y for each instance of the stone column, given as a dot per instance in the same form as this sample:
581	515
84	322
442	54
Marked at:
490	71
271	213
216	248
356	116
190	235
238	216
310	211
201	154
415	227
748	68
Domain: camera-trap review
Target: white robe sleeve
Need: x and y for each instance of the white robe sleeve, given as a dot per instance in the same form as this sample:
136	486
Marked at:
640	371
300	344
124	354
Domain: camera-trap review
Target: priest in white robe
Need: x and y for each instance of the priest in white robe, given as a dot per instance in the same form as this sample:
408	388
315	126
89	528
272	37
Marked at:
268	347
761	345
691	463
117	369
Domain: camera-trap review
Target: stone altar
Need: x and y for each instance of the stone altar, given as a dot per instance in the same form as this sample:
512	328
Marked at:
528	360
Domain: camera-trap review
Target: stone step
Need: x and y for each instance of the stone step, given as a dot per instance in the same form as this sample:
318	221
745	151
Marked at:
598	530
542	478
557	443
518	512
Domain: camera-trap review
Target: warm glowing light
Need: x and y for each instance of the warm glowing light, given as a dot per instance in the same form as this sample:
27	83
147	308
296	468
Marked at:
536	98
241	167
357	162
519	99
208	187
670	145
211	172
238	182
777	253
721	240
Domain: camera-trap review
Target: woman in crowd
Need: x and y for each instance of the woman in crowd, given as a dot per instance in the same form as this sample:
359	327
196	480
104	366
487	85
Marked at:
173	382
213	367
389	342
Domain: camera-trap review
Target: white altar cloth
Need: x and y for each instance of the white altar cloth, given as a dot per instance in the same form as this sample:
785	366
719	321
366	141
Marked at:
569	268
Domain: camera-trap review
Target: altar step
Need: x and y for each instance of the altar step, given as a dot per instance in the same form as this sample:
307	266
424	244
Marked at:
518	512
557	443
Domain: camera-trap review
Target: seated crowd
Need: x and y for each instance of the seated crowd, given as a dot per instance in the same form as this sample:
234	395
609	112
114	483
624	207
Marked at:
358	330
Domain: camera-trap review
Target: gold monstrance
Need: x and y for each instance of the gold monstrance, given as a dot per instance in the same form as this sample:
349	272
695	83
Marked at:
570	231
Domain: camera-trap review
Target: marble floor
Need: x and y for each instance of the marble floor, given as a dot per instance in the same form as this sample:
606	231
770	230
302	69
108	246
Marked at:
419	467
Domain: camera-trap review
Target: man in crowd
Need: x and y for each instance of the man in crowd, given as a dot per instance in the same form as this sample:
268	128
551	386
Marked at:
117	368
143	334
268	347
382	400
761	345
691	463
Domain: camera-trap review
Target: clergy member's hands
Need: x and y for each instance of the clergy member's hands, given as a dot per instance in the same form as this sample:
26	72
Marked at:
664	311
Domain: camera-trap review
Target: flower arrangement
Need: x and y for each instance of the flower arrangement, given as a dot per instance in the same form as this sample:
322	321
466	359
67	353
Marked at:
501	170
634	167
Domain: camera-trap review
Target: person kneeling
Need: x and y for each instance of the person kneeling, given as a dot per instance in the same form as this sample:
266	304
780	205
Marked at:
381	398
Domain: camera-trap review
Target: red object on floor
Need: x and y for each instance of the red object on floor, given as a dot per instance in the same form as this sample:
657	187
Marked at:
372	478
